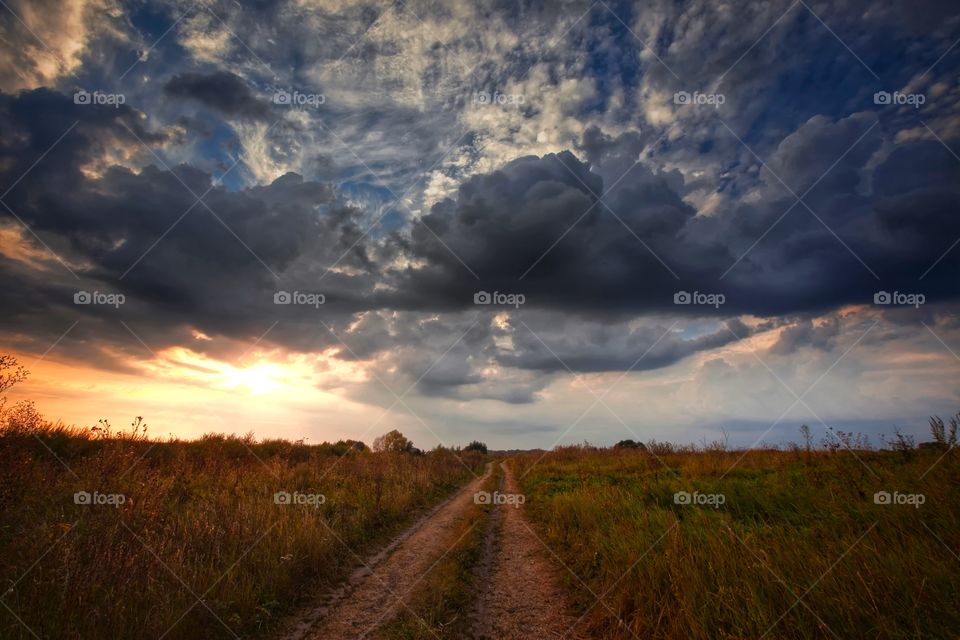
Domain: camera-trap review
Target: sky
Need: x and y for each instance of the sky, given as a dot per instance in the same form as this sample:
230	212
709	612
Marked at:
526	223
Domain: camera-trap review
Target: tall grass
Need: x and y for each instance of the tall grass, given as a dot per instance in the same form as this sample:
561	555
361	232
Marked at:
199	548
798	549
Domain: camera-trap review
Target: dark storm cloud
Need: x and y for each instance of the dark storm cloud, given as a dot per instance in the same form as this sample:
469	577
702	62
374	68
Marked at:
213	265
222	91
593	347
588	255
502	226
631	251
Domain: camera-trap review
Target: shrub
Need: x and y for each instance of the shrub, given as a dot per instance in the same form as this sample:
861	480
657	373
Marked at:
476	445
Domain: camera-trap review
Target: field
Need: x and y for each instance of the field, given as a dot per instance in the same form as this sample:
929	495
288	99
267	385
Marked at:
372	292
107	534
781	545
189	540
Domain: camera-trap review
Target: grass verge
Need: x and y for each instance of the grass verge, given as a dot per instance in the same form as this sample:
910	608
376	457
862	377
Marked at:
777	544
122	537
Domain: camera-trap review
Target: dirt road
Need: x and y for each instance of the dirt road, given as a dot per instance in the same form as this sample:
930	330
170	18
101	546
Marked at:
523	598
517	592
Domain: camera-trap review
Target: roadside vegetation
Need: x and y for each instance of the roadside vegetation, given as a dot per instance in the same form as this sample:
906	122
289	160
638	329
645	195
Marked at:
813	541
106	533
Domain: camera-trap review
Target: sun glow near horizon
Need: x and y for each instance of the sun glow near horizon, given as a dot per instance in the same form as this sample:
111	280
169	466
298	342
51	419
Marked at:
185	393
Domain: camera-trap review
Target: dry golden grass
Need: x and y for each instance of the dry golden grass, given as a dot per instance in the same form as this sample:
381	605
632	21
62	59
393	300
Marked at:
199	548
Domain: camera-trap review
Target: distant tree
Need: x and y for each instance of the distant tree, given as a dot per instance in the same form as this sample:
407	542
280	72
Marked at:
393	441
629	444
23	418
352	445
476	445
10	374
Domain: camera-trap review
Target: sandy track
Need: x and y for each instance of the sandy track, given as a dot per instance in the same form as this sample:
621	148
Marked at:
369	600
523	599
518	592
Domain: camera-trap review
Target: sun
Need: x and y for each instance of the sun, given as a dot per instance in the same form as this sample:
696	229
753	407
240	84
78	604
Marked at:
257	379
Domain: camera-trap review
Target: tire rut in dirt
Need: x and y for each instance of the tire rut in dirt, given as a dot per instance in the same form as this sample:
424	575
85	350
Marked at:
524	598
477	618
369	599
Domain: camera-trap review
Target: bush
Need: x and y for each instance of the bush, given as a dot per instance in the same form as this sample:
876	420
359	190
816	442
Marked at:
393	441
476	445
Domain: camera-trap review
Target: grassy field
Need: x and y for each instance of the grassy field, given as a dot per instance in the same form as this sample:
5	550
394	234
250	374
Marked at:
107	534
767	544
208	539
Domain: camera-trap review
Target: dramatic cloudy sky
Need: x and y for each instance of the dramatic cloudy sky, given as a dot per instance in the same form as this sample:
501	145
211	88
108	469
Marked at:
780	162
